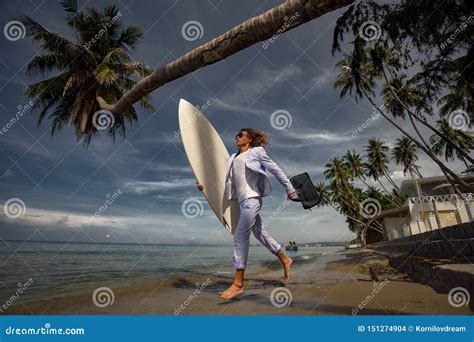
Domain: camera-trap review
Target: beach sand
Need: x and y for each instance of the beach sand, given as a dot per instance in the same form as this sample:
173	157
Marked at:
330	284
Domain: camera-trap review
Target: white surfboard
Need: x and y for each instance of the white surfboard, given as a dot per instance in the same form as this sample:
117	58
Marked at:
208	158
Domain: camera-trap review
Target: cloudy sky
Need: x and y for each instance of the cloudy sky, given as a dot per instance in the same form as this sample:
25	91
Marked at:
147	176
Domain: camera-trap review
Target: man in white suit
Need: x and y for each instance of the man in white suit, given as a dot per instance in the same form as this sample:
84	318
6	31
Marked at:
247	182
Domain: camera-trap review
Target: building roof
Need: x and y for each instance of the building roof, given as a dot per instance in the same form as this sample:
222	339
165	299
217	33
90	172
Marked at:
394	211
436	181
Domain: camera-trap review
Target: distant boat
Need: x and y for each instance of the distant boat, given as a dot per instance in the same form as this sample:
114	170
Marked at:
354	246
291	248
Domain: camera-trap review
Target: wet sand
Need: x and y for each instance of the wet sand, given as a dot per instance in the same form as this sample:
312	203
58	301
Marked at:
328	284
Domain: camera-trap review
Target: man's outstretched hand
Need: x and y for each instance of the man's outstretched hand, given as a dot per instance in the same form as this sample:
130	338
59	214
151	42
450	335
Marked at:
292	195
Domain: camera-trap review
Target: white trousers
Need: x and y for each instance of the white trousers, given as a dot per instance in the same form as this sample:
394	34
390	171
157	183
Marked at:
250	221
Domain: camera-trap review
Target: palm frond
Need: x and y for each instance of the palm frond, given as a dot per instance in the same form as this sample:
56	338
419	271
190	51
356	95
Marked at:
47	63
130	36
105	75
50	41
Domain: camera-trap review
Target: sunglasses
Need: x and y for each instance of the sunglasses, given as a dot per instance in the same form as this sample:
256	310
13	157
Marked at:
240	135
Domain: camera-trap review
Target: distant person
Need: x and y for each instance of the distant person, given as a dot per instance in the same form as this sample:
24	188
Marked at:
247	182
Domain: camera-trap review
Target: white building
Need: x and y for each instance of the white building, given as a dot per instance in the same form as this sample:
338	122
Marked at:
436	207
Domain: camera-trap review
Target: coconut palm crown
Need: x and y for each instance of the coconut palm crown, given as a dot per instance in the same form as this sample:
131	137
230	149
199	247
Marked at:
95	63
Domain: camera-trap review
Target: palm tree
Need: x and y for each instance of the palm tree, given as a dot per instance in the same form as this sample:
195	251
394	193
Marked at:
397	96
355	166
404	154
331	196
337	171
400	96
347	197
376	151
373	172
458	138
324	194
355	77
358	76
461	71
358	169
96	63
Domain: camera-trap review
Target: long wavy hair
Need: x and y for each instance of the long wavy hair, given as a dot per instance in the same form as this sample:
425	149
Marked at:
259	138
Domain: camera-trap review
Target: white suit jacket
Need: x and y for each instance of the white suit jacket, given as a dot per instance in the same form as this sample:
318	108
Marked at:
259	161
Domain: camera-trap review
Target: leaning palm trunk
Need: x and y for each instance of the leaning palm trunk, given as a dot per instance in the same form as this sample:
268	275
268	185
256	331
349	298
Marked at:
382	186
418	173
416	128
346	187
275	21
390	180
461	152
355	199
405	107
340	199
465	162
363	181
411	115
378	228
418	192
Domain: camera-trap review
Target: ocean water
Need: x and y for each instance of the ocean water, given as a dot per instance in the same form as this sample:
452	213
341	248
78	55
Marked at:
59	269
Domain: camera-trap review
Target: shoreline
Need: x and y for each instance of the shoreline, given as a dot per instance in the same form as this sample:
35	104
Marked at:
336	283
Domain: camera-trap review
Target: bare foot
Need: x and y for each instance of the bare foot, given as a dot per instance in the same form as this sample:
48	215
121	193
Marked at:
232	291
286	266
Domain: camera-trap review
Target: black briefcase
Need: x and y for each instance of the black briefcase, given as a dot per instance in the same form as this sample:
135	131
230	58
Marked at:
305	190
